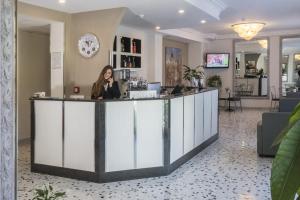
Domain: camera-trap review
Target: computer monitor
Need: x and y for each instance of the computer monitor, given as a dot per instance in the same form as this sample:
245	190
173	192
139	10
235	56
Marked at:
154	86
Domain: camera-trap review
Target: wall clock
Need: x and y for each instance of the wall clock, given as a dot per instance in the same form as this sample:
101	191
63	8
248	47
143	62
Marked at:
88	45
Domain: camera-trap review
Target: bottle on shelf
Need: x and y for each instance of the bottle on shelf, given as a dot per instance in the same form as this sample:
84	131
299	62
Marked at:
133	62
133	47
122	45
124	63
129	63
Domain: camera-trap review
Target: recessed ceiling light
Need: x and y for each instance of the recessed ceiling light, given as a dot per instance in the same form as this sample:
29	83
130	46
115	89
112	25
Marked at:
157	28
203	21
181	11
142	16
62	1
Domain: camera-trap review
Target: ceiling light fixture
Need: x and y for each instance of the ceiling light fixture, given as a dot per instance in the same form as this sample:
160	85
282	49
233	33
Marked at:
181	11
62	1
157	28
248	30
263	43
203	21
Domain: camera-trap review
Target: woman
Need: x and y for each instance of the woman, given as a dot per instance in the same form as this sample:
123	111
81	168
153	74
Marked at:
105	87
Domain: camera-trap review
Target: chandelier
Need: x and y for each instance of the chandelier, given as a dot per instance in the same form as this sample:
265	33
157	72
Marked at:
263	43
248	30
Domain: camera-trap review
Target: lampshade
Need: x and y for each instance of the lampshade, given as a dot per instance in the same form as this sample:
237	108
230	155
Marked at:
248	30
263	43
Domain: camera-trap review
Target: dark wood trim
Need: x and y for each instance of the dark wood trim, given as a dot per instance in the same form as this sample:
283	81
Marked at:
32	124
65	172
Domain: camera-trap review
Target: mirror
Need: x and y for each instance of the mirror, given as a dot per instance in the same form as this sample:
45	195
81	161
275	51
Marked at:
290	63
251	68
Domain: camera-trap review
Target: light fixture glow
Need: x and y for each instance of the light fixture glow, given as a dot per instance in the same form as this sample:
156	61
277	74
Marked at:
248	30
263	43
181	11
62	1
157	28
297	57
203	21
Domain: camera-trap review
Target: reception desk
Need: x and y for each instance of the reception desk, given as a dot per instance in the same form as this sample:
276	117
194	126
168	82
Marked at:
104	141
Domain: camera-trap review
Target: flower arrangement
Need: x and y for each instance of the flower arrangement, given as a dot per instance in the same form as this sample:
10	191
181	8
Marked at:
190	73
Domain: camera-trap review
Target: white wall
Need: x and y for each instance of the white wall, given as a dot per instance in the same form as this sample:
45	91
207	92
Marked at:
195	54
33	74
221	46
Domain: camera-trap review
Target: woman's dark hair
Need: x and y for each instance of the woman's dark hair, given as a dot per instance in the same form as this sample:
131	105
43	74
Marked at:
98	86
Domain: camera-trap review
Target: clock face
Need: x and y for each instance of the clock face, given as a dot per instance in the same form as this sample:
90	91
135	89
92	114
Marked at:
88	45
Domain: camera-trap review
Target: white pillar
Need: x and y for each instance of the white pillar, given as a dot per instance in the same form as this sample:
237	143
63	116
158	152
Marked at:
275	66
158	52
57	59
291	68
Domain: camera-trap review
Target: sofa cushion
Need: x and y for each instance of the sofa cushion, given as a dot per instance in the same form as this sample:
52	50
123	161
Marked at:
288	104
272	124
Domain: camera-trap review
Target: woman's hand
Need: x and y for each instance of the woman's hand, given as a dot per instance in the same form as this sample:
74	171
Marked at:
110	82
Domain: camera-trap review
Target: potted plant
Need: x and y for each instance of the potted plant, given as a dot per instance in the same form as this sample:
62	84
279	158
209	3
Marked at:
47	193
194	75
214	81
285	176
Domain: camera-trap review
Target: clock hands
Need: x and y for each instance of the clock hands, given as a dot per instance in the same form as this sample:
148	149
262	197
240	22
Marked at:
88	43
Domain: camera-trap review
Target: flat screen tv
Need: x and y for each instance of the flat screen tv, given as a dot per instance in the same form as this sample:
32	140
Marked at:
217	60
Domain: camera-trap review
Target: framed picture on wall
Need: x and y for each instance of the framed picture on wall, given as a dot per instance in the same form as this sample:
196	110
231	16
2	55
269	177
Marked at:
173	66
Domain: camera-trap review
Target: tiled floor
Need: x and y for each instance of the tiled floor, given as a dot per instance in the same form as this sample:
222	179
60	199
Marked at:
228	169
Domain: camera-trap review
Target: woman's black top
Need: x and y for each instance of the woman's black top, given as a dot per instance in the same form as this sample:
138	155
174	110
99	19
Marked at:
110	93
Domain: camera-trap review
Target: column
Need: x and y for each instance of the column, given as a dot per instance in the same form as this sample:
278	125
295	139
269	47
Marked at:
7	100
57	55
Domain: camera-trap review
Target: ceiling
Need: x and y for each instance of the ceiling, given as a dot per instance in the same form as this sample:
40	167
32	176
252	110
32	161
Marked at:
277	14
291	45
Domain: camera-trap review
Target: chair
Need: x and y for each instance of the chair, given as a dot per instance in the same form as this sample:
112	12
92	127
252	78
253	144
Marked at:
274	99
235	98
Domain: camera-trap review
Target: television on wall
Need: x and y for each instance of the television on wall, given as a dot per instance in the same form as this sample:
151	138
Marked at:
217	60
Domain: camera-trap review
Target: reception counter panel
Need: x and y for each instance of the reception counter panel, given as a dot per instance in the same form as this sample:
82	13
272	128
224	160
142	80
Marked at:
105	141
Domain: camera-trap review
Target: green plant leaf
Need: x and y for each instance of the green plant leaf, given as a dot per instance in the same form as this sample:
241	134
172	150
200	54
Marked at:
294	117
285	176
60	194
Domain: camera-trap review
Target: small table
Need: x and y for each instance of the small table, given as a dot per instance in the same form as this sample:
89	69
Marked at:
228	99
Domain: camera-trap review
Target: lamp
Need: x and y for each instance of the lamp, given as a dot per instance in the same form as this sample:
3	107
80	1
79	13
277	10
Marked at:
297	57
248	30
263	43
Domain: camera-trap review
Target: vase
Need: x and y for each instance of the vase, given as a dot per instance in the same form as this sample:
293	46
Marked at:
201	83
194	82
